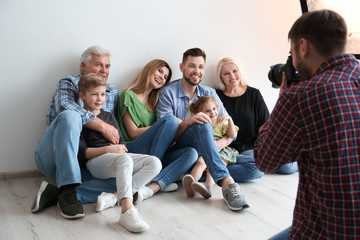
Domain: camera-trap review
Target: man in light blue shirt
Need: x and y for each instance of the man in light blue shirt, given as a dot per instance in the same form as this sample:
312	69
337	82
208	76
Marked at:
196	130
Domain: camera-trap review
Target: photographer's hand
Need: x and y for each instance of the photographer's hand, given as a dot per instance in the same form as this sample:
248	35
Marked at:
283	87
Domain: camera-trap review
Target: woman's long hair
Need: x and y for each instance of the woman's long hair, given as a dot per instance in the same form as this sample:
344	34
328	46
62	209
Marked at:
142	81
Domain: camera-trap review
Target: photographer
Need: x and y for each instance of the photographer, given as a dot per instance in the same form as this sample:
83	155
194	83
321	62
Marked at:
316	122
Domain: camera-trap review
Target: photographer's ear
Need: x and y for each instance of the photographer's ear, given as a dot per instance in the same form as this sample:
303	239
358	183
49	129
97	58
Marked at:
304	48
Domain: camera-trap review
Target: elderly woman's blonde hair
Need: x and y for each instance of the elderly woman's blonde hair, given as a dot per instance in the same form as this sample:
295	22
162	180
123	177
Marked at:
218	83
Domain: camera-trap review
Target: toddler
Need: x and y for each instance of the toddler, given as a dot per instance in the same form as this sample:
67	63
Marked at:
223	125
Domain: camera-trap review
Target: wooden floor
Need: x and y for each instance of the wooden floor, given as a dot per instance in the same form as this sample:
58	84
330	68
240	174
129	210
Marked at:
170	215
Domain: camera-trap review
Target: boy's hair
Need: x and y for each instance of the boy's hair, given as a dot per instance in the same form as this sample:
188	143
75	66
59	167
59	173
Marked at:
325	29
196	106
194	52
90	80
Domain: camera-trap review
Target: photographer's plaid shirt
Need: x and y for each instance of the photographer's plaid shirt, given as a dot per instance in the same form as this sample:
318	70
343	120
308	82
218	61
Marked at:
317	123
66	97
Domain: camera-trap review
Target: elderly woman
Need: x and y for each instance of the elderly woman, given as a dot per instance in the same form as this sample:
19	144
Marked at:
247	108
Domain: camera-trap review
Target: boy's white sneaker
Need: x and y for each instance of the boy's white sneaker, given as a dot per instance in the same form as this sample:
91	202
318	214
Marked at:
105	200
143	193
132	221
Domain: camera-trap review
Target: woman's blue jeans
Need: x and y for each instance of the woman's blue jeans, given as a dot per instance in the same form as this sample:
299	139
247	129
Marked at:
246	170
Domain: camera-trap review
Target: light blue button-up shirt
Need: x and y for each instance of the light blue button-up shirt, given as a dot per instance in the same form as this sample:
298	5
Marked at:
173	100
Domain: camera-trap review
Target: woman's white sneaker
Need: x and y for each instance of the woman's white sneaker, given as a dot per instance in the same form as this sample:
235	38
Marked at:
170	188
132	221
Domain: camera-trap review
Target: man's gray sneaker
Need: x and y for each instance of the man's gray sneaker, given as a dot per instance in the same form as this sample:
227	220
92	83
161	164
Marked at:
233	197
45	197
69	205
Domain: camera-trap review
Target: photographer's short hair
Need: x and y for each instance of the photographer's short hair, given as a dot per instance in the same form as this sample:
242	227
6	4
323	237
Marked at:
87	54
90	80
325	29
194	52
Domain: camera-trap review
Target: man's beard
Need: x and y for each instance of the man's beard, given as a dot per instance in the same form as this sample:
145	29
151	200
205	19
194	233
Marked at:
191	83
304	71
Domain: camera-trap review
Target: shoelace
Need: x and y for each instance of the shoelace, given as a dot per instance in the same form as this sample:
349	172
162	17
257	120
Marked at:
235	192
136	217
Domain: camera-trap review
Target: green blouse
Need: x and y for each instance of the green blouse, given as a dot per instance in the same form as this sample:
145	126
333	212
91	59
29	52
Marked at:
139	112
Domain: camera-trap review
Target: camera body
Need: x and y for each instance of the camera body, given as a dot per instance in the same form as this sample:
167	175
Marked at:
275	73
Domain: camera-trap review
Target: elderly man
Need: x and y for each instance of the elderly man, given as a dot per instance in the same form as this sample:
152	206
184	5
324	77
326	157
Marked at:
56	153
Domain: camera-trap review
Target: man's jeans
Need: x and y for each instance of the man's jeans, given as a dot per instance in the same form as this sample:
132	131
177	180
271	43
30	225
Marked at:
56	154
200	137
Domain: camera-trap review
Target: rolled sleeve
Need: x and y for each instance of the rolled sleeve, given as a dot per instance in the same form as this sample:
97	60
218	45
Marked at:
164	105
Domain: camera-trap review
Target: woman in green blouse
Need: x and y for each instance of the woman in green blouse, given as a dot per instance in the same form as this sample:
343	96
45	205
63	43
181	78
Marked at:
145	135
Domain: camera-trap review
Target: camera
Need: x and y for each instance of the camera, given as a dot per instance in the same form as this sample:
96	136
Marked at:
275	73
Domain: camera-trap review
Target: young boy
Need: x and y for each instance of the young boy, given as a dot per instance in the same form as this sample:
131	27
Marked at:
105	160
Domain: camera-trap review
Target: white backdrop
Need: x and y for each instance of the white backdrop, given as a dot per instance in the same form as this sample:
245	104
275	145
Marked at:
41	41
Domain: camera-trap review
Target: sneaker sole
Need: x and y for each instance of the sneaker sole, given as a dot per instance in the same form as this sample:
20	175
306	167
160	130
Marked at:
236	209
187	181
198	188
134	230
36	206
80	215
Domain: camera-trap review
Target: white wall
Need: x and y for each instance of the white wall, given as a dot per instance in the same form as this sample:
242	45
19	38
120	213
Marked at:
41	41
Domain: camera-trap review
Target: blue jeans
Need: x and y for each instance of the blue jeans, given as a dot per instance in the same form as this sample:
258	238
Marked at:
248	170
157	139
56	153
154	141
244	169
283	235
288	168
176	163
200	137
92	187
